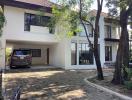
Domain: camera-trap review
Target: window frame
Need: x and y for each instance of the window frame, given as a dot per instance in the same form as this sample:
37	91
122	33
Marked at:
37	21
108	52
108	31
35	50
81	51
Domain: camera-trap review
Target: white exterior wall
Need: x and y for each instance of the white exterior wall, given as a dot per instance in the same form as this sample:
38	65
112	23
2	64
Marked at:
57	55
14	29
115	34
60	51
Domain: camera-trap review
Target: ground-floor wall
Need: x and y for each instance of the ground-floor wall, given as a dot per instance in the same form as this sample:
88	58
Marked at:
39	59
69	55
58	54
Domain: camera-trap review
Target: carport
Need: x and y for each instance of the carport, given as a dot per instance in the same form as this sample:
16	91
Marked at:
40	52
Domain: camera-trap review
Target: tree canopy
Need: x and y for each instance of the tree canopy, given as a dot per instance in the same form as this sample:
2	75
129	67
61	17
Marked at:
2	20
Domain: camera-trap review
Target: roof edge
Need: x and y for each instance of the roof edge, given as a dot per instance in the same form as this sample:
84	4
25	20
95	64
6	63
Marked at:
25	5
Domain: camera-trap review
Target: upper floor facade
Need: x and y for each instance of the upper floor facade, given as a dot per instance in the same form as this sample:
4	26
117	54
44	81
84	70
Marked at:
25	23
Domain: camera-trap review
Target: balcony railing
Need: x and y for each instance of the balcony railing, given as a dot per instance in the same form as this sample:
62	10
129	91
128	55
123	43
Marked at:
112	39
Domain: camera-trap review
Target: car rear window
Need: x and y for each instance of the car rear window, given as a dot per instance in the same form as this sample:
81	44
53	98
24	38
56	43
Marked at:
22	52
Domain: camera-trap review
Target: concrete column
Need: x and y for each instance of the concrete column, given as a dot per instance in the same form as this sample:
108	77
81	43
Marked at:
102	42
2	52
77	50
67	49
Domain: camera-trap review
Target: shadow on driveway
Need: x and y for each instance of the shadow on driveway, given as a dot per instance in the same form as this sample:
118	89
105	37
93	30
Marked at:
53	84
47	84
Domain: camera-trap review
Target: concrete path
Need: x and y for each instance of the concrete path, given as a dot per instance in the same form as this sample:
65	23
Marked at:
53	85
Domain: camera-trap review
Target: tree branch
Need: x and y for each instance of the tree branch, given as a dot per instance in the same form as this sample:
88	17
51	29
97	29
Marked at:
101	3
90	24
98	2
80	16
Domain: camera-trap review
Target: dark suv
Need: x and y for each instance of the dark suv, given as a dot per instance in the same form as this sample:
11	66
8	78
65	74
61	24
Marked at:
20	58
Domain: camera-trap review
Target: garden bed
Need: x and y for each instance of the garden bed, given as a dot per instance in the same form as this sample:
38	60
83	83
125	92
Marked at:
107	84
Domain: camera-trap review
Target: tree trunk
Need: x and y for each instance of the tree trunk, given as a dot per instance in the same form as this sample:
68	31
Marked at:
96	32
122	57
96	53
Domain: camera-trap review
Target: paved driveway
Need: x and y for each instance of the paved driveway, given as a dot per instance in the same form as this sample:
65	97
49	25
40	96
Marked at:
53	85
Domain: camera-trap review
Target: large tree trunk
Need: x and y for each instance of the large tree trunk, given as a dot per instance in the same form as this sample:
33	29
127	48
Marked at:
122	57
96	35
126	54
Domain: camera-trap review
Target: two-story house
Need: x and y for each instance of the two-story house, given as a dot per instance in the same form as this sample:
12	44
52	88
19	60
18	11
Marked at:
26	29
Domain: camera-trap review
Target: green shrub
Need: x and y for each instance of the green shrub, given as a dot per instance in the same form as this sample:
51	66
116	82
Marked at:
128	85
129	71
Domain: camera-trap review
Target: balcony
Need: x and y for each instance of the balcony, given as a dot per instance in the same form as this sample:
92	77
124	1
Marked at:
111	39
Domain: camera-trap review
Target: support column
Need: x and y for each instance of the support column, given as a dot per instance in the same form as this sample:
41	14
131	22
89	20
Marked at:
2	52
102	42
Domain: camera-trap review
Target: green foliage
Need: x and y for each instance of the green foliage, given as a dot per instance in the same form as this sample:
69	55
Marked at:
128	85
65	21
129	71
8	53
2	20
115	6
74	3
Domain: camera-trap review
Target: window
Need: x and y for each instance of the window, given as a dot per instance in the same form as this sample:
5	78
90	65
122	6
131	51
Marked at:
89	30
73	53
85	54
36	20
108	53
108	31
36	52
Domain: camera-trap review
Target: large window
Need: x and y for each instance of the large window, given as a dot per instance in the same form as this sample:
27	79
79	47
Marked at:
108	53
73	53
36	20
85	54
108	31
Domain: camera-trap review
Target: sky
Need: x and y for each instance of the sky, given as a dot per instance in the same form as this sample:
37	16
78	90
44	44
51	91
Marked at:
94	6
